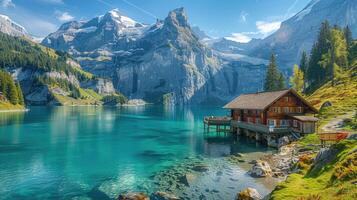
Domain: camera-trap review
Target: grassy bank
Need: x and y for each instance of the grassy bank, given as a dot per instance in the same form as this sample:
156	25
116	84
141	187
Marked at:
342	96
87	99
7	106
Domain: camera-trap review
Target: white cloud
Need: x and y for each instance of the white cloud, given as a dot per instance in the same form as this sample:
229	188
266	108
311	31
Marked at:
267	28
7	3
63	16
264	29
239	37
243	17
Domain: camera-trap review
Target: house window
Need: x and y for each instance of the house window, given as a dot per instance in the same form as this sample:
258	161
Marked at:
258	121
271	122
276	109
286	99
286	109
284	123
295	123
299	109
245	111
250	120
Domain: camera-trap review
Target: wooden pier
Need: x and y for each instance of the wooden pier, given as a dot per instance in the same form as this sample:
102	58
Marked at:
219	122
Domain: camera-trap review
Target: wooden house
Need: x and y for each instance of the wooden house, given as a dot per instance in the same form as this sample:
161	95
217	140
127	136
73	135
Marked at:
274	114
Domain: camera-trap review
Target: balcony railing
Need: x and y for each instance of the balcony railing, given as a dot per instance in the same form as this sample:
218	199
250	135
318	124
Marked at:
260	127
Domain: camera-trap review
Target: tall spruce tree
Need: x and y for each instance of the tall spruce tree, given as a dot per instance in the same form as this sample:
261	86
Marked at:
304	62
281	82
274	79
348	36
12	95
337	57
20	95
316	73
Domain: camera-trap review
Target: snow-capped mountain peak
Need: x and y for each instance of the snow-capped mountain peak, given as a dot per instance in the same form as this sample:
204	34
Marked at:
121	19
12	28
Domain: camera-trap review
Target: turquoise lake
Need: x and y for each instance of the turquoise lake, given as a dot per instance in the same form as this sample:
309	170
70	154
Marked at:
99	152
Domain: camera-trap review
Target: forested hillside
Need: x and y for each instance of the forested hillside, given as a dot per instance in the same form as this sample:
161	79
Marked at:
11	96
49	77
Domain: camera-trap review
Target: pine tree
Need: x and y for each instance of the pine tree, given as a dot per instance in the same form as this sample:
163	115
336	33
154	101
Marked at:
12	95
304	62
348	36
281	82
316	72
274	79
297	79
20	94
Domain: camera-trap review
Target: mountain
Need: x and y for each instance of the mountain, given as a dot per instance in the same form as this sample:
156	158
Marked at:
298	33
11	28
200	33
163	62
48	77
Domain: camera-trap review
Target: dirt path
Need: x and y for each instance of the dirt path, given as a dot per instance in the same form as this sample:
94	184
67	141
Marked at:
336	124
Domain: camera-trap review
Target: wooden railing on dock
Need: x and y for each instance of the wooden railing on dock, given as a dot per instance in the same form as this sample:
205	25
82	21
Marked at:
218	122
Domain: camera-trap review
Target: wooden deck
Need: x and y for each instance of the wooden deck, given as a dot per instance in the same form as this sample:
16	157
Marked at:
220	122
260	127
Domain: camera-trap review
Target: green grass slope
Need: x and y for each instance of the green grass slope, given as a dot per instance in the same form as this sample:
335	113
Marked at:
335	179
332	180
343	97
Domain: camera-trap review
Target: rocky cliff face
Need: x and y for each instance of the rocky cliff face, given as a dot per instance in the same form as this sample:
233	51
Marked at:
166	59
299	32
11	28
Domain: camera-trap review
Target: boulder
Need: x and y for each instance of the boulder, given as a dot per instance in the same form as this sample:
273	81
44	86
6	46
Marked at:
260	169
162	196
249	194
133	196
283	141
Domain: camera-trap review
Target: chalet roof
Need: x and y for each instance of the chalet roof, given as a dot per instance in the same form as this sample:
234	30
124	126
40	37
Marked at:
305	118
257	101
261	100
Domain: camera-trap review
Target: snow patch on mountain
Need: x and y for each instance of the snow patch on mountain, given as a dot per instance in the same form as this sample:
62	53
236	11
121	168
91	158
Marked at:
306	10
12	28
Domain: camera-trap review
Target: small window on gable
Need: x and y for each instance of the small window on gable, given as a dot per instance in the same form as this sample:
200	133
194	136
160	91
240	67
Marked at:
286	99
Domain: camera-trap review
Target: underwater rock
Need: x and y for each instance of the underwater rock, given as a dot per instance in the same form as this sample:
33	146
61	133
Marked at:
200	168
162	196
187	179
133	196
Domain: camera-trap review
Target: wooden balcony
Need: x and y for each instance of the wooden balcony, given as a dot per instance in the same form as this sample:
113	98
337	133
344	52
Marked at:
260	127
220	121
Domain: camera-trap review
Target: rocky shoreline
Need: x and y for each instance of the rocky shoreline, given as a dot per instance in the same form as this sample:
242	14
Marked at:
188	180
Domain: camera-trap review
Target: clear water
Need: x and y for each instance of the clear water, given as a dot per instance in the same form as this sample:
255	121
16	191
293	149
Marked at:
65	152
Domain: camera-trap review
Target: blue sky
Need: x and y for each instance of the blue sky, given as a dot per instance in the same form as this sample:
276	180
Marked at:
238	19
